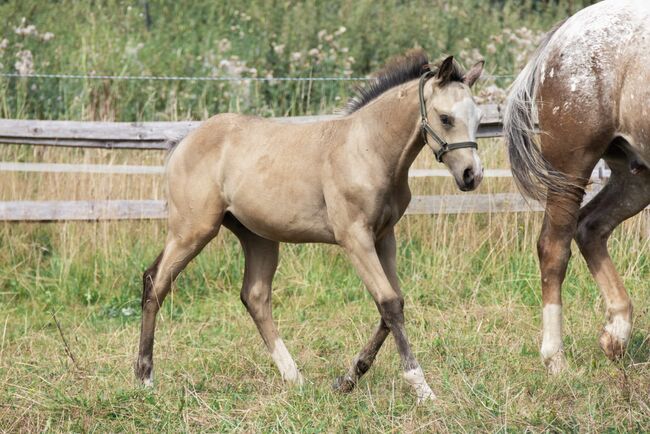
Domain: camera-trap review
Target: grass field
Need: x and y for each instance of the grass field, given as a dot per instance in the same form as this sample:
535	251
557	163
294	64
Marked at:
473	316
471	281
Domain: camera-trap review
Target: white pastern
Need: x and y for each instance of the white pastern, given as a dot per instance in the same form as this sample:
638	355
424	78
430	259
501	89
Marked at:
148	382
415	378
552	335
619	328
285	363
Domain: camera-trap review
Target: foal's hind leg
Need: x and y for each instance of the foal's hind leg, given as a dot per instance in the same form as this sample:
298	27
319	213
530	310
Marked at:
261	257
624	196
188	234
386	250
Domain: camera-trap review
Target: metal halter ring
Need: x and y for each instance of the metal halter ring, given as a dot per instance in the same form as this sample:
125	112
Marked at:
426	129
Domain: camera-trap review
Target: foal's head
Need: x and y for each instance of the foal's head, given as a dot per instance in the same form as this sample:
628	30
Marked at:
454	117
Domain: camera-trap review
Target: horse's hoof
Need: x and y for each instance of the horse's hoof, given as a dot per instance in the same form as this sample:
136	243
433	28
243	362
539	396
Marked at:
556	364
343	384
613	347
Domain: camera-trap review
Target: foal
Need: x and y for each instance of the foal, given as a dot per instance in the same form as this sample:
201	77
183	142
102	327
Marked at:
343	181
588	86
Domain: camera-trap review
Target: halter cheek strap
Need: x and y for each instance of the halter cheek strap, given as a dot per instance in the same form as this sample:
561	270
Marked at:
426	130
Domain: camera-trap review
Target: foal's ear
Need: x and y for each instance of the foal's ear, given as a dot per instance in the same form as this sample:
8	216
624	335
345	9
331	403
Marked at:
474	73
448	71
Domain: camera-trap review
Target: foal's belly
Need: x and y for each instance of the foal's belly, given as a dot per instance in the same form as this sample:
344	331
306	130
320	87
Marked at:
282	218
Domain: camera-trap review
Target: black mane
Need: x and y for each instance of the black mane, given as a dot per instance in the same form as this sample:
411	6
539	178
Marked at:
398	71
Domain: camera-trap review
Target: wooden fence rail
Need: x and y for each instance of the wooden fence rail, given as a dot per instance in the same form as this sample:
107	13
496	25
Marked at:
156	135
47	211
153	135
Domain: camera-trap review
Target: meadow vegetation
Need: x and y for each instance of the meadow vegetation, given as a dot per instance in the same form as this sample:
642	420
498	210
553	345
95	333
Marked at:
470	281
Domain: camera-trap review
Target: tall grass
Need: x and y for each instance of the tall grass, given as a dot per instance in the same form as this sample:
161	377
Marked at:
250	38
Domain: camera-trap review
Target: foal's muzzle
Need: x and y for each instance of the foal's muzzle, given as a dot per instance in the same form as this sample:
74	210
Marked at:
471	179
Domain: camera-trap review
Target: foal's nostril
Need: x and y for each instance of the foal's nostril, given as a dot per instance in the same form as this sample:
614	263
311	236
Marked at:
468	176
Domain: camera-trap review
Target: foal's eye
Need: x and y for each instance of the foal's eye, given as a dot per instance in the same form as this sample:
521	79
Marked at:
446	120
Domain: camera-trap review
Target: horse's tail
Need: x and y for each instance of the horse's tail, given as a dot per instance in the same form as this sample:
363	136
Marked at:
533	174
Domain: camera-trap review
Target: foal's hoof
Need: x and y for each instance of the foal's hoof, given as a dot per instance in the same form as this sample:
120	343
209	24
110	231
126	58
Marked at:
343	384
144	373
613	347
426	397
296	379
556	364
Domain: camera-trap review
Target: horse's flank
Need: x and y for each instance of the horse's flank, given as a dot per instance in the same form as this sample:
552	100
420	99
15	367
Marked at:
601	77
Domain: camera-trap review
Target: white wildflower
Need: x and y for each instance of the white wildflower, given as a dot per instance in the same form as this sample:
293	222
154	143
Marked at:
47	36
279	48
296	56
25	30
25	63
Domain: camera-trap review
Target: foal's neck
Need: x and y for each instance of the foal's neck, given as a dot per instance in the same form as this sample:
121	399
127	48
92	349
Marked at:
394	127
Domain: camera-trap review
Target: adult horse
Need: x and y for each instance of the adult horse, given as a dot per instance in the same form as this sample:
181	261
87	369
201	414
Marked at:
343	181
587	87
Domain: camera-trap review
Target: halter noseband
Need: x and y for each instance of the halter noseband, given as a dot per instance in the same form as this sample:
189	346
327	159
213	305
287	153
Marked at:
425	127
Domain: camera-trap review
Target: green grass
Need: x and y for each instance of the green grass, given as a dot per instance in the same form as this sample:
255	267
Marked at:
471	282
472	315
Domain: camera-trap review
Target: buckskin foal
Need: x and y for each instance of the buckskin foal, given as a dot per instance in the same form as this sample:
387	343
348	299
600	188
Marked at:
343	181
588	87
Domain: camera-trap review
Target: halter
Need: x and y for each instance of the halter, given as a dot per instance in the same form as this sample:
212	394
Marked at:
425	127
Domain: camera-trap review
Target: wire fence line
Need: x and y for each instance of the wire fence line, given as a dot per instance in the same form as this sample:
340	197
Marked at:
196	78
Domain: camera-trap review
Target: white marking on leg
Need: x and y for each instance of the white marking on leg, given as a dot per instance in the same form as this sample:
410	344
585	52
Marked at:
619	328
148	381
285	363
552	351
415	378
552	335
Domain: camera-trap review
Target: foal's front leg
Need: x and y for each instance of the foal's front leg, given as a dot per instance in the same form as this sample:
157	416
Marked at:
386	251
360	246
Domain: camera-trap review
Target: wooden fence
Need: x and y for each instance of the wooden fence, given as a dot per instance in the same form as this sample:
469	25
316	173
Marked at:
156	135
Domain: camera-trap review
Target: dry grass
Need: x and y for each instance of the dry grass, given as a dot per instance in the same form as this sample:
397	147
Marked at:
472	312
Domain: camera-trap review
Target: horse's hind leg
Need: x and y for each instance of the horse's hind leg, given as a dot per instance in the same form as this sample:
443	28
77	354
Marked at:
386	250
261	256
189	232
624	196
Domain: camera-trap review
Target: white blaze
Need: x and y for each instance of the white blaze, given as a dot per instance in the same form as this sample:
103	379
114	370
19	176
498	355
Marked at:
467	112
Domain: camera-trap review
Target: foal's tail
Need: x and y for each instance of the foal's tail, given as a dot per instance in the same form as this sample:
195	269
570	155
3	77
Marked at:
533	174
